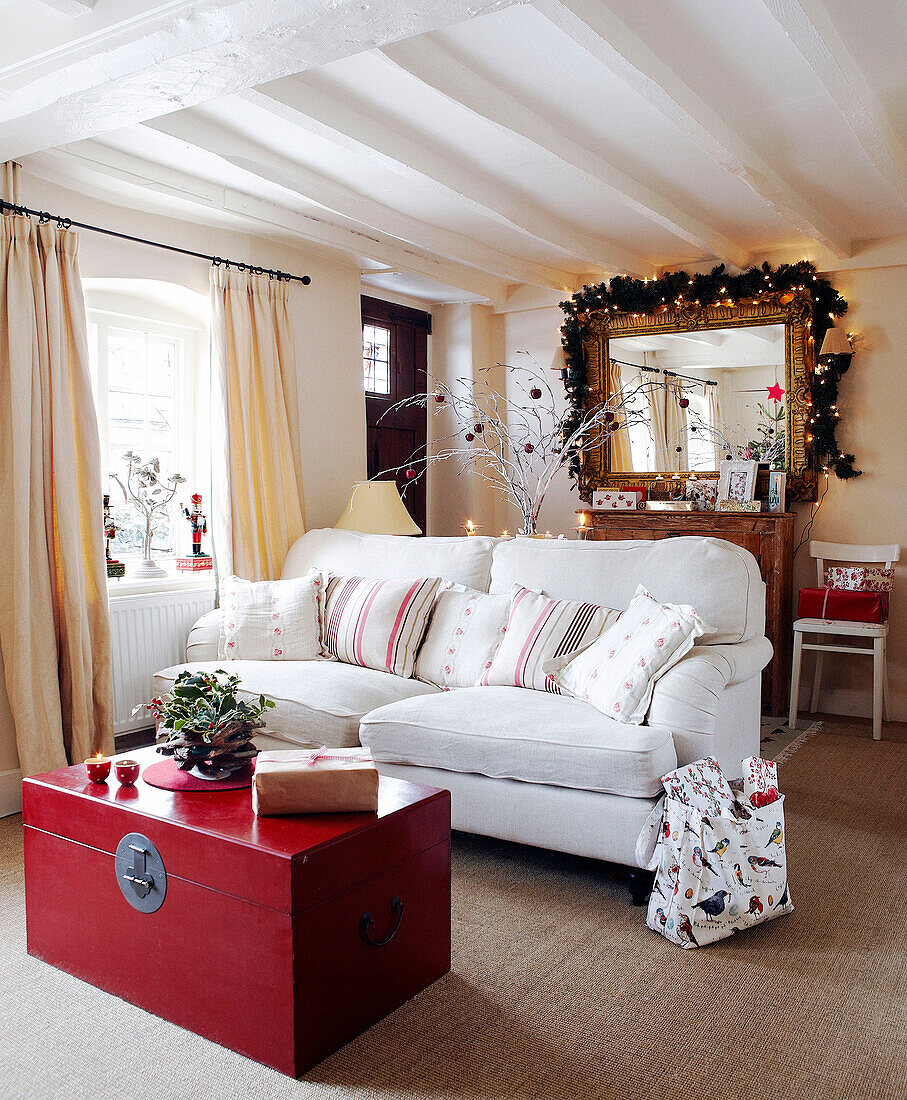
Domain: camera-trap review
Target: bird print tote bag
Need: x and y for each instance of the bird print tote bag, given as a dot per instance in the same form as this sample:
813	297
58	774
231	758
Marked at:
717	873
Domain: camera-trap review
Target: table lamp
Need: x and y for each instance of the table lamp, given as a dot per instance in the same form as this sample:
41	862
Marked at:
376	508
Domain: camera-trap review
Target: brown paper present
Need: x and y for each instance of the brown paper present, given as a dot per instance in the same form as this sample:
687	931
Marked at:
315	781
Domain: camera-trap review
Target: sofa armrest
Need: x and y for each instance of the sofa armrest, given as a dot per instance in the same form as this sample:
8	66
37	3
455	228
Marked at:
687	697
204	637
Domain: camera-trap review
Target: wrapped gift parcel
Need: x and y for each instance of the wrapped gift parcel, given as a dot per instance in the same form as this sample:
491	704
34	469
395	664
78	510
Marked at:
842	604
606	500
315	781
859	578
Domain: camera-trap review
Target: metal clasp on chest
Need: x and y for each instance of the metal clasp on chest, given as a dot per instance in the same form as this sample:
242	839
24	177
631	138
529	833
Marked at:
140	873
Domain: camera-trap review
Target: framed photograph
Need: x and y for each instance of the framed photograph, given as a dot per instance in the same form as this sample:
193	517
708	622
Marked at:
737	480
777	491
703	493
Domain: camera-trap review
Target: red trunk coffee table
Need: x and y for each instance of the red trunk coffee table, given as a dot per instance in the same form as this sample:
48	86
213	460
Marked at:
280	938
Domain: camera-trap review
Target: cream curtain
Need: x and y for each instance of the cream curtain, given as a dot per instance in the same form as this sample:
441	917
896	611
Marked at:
258	486
675	426
621	459
54	626
713	394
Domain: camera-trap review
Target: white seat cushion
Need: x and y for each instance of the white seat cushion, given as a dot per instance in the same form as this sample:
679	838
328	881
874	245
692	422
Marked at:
841	626
318	702
516	733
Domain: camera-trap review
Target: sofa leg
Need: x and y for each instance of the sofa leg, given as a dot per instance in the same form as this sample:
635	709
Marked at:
640	884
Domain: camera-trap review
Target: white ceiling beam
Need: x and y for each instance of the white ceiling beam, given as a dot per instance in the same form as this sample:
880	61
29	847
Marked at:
200	133
436	67
141	68
72	8
711	339
318	106
592	25
810	28
105	170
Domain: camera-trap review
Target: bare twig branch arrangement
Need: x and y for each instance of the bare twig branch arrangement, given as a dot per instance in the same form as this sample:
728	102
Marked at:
518	443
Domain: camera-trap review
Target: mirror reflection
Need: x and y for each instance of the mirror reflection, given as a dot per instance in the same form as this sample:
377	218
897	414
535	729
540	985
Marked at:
694	398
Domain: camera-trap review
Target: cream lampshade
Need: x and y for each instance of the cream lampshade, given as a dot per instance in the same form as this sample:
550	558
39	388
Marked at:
835	343
375	508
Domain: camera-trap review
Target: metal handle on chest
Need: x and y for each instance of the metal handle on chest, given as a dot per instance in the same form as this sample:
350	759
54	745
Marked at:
366	924
140	873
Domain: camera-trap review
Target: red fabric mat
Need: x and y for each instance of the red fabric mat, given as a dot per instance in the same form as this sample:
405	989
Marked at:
167	775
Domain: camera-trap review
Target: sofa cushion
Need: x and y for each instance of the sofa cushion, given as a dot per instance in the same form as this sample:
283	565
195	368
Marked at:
392	557
719	579
540	629
377	623
465	630
515	733
271	620
318	702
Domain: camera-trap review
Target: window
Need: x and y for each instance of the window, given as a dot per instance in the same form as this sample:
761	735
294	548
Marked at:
149	388
376	343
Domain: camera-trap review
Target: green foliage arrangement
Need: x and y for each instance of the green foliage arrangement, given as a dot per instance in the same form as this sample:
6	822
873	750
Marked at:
625	295
203	724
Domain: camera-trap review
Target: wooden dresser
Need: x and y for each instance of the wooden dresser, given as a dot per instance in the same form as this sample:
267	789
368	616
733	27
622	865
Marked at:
770	539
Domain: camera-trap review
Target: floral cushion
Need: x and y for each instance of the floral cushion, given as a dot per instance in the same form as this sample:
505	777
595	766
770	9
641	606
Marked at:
271	620
539	629
466	629
377	624
618	671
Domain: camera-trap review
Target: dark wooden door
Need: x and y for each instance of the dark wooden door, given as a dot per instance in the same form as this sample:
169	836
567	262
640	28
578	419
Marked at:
395	364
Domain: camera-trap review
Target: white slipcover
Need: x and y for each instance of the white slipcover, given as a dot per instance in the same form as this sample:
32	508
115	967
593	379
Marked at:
517	733
318	702
392	557
719	579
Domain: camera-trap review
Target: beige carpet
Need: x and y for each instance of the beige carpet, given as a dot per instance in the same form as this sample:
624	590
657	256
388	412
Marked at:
558	989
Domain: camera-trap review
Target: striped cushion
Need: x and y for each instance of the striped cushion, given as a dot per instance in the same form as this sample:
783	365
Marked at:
540	629
377	624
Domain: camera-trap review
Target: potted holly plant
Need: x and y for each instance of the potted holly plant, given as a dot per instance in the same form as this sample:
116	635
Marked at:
205	726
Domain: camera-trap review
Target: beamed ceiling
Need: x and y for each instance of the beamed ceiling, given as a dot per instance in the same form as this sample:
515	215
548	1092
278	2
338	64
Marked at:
456	149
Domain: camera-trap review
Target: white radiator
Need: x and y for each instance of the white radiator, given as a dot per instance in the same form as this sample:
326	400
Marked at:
147	633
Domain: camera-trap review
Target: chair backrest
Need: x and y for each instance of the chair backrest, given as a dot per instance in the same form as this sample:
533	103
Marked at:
843	551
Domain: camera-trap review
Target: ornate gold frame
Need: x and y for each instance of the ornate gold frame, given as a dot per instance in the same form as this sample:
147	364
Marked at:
792	309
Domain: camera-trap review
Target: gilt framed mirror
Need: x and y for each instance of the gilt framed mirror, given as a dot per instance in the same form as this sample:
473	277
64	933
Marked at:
698	384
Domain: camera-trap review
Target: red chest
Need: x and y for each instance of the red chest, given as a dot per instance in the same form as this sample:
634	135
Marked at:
267	935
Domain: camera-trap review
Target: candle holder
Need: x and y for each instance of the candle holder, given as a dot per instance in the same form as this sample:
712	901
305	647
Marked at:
127	772
582	529
98	768
471	528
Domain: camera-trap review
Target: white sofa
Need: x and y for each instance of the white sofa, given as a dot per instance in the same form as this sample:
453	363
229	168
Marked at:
523	765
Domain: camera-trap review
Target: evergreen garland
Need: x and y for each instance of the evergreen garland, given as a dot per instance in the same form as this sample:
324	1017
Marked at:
626	295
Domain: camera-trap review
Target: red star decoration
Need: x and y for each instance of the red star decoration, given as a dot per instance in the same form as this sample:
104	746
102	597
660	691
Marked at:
775	392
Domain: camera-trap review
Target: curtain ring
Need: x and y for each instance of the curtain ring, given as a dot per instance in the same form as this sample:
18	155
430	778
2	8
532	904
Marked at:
216	261
64	223
43	217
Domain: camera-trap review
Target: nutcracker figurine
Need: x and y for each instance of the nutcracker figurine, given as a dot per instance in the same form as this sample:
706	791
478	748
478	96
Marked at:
199	526
114	568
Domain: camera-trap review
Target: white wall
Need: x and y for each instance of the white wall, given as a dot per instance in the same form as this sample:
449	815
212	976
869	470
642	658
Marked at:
327	329
873	404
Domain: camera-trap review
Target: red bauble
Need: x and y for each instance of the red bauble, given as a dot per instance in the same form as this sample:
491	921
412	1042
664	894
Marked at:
478	428
439	397
529	448
469	437
535	393
410	474
609	416
683	402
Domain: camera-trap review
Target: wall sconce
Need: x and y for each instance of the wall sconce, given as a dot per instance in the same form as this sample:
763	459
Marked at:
836	350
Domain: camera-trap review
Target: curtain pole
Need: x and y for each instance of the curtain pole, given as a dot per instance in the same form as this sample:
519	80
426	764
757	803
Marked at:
67	223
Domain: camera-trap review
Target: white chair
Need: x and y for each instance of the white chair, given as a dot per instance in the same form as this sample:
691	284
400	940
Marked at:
877	633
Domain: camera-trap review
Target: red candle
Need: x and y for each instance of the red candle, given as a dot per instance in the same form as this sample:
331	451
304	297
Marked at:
127	772
98	768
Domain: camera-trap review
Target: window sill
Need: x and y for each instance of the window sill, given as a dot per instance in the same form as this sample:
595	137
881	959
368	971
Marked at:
174	582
